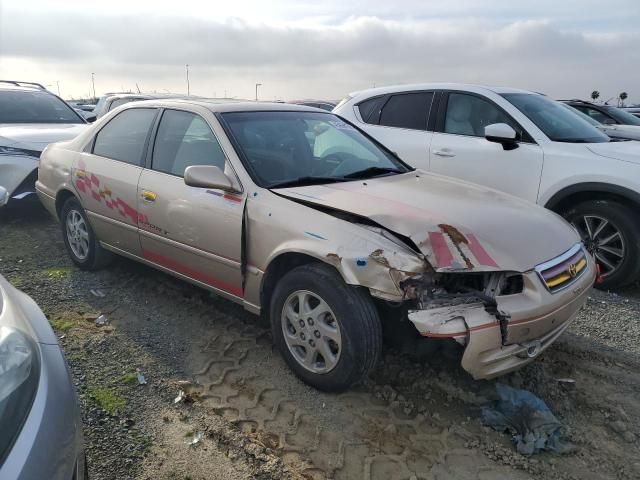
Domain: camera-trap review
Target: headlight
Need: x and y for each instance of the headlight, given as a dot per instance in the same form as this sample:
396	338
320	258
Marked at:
19	375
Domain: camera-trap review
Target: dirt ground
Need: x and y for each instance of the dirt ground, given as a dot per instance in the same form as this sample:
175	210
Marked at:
254	419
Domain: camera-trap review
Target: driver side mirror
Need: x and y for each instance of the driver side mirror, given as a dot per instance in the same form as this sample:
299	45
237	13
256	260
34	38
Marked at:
207	176
503	134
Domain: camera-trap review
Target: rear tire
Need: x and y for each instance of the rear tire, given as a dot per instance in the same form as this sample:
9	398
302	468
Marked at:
81	242
610	231
338	319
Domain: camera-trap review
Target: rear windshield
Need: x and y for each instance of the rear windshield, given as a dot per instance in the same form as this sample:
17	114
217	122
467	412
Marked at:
18	106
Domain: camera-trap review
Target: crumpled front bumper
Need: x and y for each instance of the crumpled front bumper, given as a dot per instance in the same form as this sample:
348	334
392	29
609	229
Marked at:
536	318
14	169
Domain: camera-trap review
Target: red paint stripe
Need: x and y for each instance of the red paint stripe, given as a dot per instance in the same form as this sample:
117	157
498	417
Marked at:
480	253
189	272
444	258
232	198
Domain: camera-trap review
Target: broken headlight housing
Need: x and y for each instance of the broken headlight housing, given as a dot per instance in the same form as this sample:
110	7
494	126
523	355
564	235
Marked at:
19	376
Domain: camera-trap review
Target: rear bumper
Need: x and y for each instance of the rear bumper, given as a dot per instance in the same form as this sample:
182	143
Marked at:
536	318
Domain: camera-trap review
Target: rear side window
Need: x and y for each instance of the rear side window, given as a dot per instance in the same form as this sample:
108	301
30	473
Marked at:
370	109
408	110
124	137
595	114
185	139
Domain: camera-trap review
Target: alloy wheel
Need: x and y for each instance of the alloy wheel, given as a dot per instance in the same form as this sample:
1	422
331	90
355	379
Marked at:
311	331
77	234
603	240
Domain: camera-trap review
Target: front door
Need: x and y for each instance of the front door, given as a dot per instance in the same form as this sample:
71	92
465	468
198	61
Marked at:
106	178
459	149
196	232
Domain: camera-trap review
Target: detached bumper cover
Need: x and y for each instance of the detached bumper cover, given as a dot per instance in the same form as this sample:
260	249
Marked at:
493	347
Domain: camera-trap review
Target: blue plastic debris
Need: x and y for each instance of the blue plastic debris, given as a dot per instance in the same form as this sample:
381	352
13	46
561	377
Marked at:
528	419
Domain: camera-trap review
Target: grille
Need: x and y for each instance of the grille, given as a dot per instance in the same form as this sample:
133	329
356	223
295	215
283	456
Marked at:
562	271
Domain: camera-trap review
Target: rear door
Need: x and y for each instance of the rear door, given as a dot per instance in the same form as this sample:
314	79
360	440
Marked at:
399	122
106	177
196	232
459	148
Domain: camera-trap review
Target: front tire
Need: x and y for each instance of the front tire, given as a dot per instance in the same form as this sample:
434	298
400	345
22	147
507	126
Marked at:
611	232
328	332
81	242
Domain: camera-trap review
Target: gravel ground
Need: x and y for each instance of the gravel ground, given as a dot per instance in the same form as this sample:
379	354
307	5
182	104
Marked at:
411	420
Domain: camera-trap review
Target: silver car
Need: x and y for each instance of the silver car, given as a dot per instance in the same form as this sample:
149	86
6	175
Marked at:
40	425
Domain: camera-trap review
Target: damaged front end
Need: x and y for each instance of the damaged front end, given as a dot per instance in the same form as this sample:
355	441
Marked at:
502	319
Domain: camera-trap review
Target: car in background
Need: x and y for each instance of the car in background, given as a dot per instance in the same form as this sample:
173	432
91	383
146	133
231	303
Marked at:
291	211
40	424
31	118
620	132
635	111
112	101
605	114
522	143
322	104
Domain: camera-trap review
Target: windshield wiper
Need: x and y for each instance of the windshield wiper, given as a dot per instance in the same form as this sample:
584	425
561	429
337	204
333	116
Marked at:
372	172
302	181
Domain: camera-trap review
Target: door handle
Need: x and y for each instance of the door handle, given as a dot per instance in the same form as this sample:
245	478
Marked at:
148	196
444	153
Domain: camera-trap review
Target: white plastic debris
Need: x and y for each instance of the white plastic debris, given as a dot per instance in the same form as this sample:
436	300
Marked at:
565	380
181	397
197	438
141	379
97	292
102	320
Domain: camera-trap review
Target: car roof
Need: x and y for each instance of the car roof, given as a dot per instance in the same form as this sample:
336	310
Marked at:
438	86
223	106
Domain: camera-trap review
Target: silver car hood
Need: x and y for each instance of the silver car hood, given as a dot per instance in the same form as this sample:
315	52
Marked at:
37	136
456	225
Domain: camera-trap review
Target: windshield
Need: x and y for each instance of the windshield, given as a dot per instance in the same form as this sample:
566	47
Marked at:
625	118
555	121
19	106
297	148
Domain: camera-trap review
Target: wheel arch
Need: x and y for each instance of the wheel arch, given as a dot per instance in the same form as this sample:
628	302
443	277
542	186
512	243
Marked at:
278	267
61	197
577	193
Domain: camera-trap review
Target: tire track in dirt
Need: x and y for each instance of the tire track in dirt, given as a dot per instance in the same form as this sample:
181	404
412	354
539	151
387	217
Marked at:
364	438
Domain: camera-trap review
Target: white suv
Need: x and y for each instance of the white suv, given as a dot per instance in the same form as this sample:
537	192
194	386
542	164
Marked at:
522	143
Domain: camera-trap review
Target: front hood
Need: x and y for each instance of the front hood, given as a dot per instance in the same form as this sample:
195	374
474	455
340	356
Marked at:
456	225
625	151
38	136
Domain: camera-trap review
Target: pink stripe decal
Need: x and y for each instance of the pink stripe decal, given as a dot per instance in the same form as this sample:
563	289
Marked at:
444	258
480	253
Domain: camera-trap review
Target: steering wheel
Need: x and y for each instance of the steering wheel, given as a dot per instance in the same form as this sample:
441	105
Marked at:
344	159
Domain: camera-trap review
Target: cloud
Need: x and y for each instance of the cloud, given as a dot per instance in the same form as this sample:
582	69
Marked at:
302	59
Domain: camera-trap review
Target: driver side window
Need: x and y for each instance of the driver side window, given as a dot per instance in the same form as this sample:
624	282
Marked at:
468	115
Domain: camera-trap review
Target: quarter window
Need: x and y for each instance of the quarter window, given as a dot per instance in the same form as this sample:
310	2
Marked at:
468	115
408	110
124	137
185	139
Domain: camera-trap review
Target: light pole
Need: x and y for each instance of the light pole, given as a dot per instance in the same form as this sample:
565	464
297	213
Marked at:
188	87
257	85
58	84
93	84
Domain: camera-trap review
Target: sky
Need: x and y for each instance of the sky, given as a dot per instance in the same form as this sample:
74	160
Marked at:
321	49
